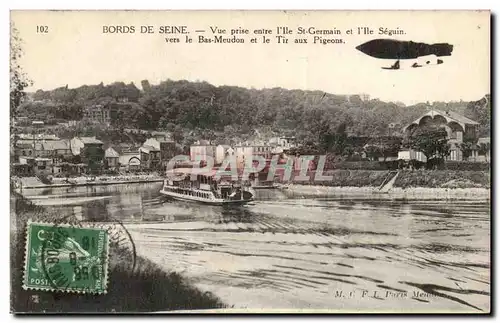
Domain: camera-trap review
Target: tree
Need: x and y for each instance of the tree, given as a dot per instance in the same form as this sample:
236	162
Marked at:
146	87
326	137
432	142
480	111
468	145
309	148
373	152
234	112
484	149
390	147
340	139
177	134
348	151
18	79
466	148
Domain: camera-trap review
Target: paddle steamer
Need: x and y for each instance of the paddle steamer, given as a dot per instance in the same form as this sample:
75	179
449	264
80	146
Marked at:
206	186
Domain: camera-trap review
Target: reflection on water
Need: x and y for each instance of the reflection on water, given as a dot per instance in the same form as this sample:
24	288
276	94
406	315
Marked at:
305	253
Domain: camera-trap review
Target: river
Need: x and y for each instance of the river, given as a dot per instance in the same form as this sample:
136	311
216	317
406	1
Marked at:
296	253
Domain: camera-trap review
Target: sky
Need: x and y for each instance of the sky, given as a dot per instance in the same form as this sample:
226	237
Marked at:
75	51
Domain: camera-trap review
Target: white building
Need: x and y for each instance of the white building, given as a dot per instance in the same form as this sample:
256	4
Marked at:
244	152
78	143
284	142
202	150
411	154
222	152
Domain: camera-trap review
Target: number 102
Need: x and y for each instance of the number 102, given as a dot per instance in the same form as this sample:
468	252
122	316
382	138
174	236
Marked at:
42	29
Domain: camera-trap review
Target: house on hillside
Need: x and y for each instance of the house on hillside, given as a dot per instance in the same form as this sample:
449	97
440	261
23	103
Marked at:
38	166
97	114
129	157
79	144
150	157
58	150
38	137
162	143
457	128
246	151
284	142
24	148
222	152
111	158
161	135
90	150
202	150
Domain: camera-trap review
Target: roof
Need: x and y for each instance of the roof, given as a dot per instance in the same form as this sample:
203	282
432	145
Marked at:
253	146
24	144
42	136
448	115
127	150
71	164
56	145
126	147
90	140
134	161
148	148
458	117
22	165
160	133
203	142
111	153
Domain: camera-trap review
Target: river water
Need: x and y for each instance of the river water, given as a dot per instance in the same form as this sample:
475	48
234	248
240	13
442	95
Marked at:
296	253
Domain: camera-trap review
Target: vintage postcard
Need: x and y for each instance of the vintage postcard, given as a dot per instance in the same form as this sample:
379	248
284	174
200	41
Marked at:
250	161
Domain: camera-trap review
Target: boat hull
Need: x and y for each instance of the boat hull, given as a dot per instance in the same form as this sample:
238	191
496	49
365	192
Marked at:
196	199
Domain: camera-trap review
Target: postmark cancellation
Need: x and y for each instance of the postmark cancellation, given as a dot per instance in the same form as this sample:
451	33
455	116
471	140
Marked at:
65	258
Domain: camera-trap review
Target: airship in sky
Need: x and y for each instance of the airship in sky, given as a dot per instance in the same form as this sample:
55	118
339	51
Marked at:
397	49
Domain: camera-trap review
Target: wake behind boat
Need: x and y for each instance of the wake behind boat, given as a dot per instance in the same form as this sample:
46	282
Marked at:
266	185
201	185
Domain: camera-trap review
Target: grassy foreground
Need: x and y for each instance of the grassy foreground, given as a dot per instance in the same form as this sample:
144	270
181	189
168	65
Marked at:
149	288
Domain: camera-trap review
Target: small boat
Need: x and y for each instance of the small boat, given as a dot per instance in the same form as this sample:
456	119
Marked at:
201	185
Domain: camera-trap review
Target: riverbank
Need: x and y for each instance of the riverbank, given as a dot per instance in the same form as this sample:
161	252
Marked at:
33	182
149	288
397	185
405	178
396	193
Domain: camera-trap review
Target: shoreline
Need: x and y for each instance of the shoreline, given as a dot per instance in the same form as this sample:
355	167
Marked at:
395	193
85	182
306	190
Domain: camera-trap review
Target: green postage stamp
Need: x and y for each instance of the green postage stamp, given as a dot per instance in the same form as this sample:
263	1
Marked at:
65	258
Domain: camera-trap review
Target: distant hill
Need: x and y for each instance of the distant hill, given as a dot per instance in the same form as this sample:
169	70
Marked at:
232	110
